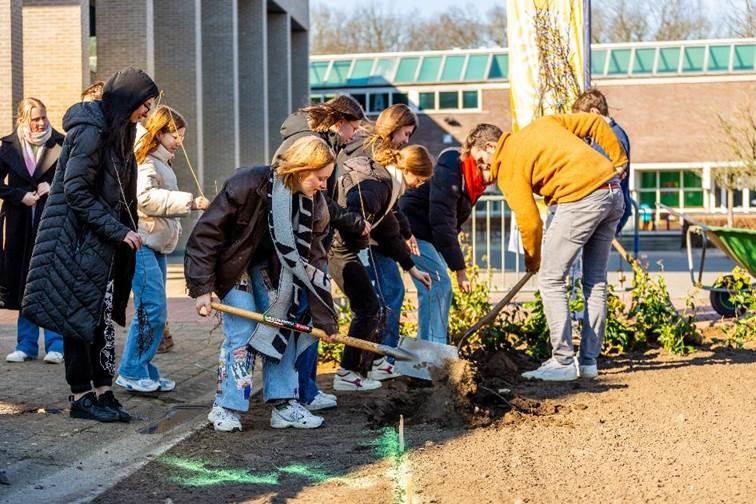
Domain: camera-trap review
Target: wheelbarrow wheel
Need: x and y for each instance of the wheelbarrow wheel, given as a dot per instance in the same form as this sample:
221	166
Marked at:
723	304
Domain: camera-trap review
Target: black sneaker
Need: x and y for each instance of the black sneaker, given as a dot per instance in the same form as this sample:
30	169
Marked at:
108	401
88	408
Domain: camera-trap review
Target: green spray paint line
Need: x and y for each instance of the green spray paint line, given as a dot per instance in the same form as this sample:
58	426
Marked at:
388	446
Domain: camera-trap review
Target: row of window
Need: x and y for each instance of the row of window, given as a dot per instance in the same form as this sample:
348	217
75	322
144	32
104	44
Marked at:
458	66
375	102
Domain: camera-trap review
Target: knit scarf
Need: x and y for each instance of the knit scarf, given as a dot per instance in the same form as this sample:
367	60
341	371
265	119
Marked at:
474	185
290	221
27	139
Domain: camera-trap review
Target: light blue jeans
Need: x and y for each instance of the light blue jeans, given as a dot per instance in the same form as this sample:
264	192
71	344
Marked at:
387	280
142	343
432	305
27	338
236	362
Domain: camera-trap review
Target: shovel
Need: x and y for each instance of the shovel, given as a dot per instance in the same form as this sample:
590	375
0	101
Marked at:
397	353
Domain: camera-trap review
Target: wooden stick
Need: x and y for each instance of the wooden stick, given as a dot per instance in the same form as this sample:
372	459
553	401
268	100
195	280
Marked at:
369	346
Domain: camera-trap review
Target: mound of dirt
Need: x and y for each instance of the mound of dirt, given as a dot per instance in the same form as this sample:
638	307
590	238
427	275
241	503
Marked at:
465	393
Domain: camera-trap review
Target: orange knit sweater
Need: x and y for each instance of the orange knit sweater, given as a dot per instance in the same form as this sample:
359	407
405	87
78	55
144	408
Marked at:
550	157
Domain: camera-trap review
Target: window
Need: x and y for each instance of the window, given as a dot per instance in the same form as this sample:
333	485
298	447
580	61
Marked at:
644	61
693	60
362	98
383	70
470	99
448	100
429	69
452	68
338	74
598	60
669	58
378	102
361	72
719	59
407	69
476	67
499	67
427	101
400	98
619	61
317	72
316	99
675	188
745	57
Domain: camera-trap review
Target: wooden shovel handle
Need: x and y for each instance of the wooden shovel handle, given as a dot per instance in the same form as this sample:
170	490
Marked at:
293	326
622	252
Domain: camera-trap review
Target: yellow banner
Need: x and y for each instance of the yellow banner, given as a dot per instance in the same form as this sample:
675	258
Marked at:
546	57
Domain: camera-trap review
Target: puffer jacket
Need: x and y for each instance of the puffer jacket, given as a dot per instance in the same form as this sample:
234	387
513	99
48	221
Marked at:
79	246
160	202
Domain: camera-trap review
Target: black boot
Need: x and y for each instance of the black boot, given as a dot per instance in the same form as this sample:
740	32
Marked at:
108	401
87	407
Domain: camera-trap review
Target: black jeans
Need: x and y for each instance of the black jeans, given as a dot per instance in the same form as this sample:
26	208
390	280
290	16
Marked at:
90	364
352	278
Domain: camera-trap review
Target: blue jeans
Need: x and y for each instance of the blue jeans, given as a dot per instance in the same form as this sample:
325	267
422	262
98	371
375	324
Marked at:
387	280
307	369
432	305
236	362
28	336
142	342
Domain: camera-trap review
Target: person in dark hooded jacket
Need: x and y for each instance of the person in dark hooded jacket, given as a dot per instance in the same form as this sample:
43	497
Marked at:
83	259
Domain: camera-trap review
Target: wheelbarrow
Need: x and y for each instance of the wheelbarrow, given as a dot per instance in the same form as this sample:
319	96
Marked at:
737	243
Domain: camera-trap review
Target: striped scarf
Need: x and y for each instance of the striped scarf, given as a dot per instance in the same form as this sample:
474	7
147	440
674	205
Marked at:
290	223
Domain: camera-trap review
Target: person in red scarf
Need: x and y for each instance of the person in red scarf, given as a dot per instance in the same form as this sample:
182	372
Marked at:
436	212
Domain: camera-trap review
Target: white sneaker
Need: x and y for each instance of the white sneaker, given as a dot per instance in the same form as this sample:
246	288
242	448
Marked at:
349	380
54	357
327	395
588	372
17	356
166	385
224	419
293	414
322	401
383	370
142	385
551	370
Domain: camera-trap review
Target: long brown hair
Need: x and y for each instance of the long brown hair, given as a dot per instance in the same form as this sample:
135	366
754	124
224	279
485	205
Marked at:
309	153
162	120
378	139
414	159
321	116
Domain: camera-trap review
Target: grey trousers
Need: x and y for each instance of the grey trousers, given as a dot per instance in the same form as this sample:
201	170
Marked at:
590	225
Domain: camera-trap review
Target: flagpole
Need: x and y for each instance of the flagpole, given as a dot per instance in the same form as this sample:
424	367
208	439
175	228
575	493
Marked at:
587	43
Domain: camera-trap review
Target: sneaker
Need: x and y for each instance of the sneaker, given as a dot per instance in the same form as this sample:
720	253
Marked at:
17	356
321	401
224	419
166	385
88	408
108	400
54	357
141	385
551	370
588	372
349	380
327	395
293	414
383	370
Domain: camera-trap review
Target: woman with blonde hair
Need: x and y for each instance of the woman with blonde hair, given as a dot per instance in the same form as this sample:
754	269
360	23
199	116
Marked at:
260	247
371	189
160	206
28	158
381	142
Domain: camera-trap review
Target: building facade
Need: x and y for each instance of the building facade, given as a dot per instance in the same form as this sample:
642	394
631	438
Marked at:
667	95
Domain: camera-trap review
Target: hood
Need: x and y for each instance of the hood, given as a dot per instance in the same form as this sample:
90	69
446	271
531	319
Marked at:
295	123
124	92
365	168
85	113
356	147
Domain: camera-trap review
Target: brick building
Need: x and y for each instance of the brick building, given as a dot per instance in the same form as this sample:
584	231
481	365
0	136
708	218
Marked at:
233	68
665	94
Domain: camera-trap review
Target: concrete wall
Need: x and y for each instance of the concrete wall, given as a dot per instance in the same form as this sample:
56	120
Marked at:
125	36
279	74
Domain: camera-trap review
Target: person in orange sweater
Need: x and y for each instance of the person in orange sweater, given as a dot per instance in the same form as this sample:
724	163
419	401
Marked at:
549	157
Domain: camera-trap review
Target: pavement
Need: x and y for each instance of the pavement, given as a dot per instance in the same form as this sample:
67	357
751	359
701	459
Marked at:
48	457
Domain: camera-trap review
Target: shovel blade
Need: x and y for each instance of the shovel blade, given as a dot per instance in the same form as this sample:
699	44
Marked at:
428	355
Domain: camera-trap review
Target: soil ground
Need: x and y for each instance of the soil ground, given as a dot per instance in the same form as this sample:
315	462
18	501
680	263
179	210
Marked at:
653	427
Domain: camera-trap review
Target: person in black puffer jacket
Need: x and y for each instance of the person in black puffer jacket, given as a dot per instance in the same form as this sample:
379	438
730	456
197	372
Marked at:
370	189
83	259
436	212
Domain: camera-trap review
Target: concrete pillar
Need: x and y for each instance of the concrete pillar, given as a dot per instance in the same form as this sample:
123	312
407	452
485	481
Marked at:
279	74
11	62
125	36
219	90
56	53
253	84
300	67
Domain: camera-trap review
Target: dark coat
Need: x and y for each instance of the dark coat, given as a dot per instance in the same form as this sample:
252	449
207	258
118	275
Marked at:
365	187
437	209
19	222
295	127
227	236
91	208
